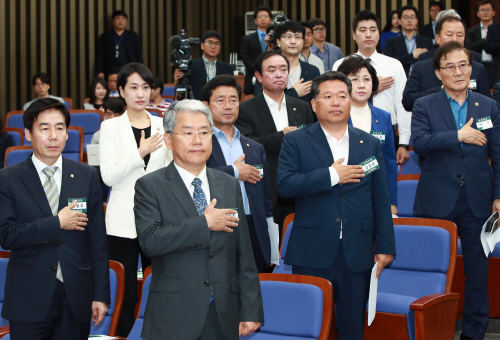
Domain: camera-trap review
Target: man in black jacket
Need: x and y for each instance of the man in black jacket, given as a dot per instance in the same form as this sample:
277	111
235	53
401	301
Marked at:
118	46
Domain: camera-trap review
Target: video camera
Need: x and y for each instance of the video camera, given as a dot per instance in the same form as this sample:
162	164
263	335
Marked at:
180	58
278	20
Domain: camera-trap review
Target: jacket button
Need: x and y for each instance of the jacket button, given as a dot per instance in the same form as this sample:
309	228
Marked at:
463	156
341	195
206	283
459	176
58	244
210	257
337	219
53	269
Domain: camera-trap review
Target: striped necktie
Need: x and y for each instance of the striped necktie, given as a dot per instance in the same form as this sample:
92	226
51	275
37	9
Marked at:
52	194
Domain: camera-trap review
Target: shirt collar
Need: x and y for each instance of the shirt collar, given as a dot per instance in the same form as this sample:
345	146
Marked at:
188	177
413	38
450	98
374	57
345	136
271	102
39	165
206	61
219	133
259	32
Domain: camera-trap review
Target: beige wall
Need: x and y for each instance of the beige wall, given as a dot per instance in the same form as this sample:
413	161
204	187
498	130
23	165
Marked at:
60	36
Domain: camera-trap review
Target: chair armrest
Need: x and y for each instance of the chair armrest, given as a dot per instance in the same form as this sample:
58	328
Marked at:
433	299
4	330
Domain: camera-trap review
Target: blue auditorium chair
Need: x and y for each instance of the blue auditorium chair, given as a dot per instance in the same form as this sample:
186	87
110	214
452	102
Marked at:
411	166
14	119
89	121
3	273
74	144
17	135
168	90
135	333
287	230
296	307
68	102
406	198
17	154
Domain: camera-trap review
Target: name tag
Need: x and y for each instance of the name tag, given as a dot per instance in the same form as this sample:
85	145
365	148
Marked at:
379	134
473	84
81	205
261	169
301	126
484	123
370	165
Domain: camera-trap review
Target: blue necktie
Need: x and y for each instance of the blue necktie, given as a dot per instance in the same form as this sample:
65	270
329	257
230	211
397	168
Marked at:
200	200
263	42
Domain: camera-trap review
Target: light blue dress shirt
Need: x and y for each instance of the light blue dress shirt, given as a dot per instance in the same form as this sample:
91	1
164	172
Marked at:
459	111
411	44
232	151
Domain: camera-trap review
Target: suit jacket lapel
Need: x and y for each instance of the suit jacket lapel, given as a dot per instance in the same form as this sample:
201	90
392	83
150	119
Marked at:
375	116
444	108
217	154
319	143
67	184
472	108
217	191
127	134
293	116
32	181
179	190
356	146
265	114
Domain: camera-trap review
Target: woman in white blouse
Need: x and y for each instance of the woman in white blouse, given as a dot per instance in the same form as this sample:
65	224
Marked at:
130	147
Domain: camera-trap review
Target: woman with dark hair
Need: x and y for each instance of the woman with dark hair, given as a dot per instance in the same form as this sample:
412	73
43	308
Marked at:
371	119
130	146
98	93
391	29
5	142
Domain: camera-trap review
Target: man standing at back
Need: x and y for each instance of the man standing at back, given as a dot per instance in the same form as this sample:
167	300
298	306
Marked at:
58	273
118	46
328	53
392	78
254	44
306	54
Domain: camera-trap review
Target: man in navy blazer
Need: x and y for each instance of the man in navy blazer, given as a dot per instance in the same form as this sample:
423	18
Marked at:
408	46
205	68
240	157
456	181
58	272
342	213
492	46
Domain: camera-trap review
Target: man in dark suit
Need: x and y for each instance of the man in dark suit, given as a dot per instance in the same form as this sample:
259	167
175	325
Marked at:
205	284
445	127
492	46
476	36
254	44
423	81
205	68
408	46
290	39
118	46
58	273
449	28
343	212
429	30
268	117
244	159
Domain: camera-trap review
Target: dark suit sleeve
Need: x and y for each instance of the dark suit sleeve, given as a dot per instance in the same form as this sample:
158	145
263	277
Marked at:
414	89
426	141
390	51
496	95
268	204
492	43
246	54
482	83
157	239
98	246
291	182
228	169
472	41
257	88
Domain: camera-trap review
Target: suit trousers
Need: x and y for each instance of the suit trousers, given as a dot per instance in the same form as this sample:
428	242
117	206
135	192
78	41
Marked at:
58	324
262	266
476	305
212	330
350	292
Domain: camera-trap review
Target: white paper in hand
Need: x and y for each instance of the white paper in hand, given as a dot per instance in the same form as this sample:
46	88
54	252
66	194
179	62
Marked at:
274	237
372	298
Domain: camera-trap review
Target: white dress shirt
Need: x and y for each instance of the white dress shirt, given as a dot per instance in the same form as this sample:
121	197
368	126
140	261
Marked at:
39	166
362	118
280	116
188	177
485	56
390	100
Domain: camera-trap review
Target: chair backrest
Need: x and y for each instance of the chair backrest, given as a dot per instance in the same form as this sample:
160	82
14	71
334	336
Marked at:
295	307
411	166
16	154
288	219
17	135
426	255
68	102
74	145
135	333
3	273
89	120
168	90
15	119
406	197
117	290
155	112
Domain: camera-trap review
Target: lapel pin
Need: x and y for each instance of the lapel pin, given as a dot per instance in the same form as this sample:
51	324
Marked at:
376	121
294	109
158	128
248	145
361	141
476	103
71	175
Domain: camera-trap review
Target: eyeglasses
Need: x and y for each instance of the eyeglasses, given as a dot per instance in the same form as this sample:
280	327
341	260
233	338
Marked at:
356	80
290	36
319	29
412	17
232	101
488	10
210	43
450	68
263	16
191	135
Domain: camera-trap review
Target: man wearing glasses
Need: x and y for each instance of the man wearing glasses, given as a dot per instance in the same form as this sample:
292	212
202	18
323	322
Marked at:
328	53
205	68
458	130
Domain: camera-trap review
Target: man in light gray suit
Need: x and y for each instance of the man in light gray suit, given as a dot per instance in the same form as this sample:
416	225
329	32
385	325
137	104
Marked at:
205	283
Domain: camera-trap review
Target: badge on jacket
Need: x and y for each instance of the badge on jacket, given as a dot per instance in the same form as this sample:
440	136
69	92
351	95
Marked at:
81	205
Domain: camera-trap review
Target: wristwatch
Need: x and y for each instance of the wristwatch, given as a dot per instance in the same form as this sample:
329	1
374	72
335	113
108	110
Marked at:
406	146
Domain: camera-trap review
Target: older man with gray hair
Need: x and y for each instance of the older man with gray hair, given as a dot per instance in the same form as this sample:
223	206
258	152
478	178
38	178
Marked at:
191	222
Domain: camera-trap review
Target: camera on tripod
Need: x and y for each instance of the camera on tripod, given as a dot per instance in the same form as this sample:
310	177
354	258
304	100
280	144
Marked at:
180	58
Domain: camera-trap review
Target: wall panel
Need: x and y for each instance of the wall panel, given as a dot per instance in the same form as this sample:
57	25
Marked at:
60	36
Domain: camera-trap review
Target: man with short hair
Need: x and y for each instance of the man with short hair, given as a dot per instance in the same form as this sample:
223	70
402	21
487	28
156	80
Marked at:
52	221
429	30
328	53
118	46
113	107
112	79
392	78
205	284
492	46
306	54
244	159
205	68
423	81
268	117
156	101
446	127
41	85
343	217
289	38
407	46
254	44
